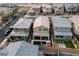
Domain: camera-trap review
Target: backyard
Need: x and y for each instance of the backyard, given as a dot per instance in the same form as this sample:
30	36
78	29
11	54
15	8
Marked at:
68	43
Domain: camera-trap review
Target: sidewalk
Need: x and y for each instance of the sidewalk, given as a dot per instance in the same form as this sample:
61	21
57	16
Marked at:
4	42
61	45
75	45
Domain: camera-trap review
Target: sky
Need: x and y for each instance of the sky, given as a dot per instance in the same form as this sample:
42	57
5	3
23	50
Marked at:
39	1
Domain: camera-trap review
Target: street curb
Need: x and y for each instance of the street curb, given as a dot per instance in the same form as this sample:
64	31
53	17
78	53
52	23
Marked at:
4	42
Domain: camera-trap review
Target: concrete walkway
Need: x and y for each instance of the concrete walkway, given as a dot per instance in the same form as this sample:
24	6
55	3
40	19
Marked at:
61	45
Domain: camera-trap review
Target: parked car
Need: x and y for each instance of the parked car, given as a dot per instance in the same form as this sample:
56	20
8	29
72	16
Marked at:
8	32
11	27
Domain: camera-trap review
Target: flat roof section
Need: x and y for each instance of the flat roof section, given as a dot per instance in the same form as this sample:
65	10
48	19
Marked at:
41	21
23	23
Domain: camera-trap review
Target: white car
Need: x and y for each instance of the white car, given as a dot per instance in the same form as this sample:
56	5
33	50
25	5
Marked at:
11	26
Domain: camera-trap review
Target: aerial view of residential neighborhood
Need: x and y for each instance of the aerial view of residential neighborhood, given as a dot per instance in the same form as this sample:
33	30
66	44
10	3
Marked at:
39	29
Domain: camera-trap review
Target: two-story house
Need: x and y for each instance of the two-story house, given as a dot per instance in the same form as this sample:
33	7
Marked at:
7	9
41	31
62	28
35	9
47	9
21	30
58	8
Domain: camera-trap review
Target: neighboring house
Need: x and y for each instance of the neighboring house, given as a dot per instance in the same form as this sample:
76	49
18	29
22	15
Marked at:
41	31
23	6
21	29
47	6
62	28
75	21
58	8
32	12
6	9
47	9
71	8
20	48
36	8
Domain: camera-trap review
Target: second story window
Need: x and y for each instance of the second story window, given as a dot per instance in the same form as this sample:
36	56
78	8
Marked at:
39	29
24	29
45	29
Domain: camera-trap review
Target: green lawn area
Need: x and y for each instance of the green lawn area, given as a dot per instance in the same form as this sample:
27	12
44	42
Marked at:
69	44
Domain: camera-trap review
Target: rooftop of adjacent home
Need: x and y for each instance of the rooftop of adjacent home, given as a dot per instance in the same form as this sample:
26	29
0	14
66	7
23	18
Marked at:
46	6
72	5
20	48
75	20
46	10
8	5
58	5
41	21
23	23
35	6
61	22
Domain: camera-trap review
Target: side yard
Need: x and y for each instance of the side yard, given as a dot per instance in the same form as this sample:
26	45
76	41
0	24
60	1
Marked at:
68	43
77	37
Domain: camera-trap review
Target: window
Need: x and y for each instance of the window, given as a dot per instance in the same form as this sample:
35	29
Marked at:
39	29
43	42
37	38
57	28
66	28
24	29
59	36
37	42
44	38
45	29
67	36
16	29
60	7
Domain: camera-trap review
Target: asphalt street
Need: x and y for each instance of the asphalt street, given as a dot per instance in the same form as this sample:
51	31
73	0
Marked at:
6	27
